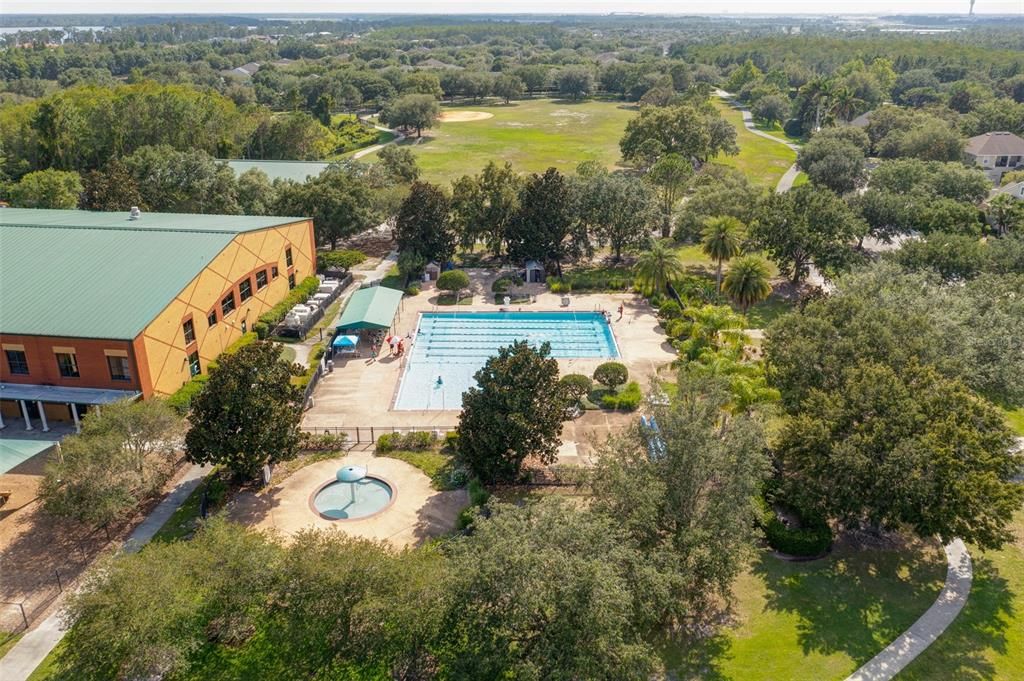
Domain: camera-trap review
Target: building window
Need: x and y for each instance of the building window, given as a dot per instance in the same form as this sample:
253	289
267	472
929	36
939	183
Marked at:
193	364
118	368
17	362
227	306
190	332
67	364
273	272
211	318
291	281
245	290
1001	161
288	257
261	279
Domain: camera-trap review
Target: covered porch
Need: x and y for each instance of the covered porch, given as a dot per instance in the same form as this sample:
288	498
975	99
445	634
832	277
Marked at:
29	402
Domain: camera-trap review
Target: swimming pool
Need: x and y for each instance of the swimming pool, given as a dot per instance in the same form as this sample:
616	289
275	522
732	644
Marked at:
454	345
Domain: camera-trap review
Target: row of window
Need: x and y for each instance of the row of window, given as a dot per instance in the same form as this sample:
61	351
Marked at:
228	303
67	365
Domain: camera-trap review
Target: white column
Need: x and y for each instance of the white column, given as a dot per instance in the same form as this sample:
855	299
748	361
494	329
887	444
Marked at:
42	416
74	415
24	412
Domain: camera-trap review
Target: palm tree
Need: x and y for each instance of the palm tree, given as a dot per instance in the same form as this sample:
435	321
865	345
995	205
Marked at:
845	103
817	91
722	238
748	281
657	268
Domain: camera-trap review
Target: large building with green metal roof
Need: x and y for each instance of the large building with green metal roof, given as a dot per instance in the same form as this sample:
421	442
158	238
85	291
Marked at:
101	306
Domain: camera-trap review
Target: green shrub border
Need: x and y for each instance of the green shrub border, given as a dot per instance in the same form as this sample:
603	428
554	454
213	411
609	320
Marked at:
811	540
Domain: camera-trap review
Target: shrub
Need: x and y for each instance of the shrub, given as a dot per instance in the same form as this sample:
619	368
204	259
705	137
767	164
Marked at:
326	442
414	441
182	398
627	400
413	290
670	309
451	441
577	385
675	328
812	538
453	280
272	317
505	282
611	374
478	494
344	259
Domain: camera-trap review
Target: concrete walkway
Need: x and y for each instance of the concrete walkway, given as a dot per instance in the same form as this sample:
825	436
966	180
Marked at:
21	660
911	643
748	120
377	147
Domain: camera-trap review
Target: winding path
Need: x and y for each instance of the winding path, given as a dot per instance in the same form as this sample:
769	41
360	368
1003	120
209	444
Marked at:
377	147
959	571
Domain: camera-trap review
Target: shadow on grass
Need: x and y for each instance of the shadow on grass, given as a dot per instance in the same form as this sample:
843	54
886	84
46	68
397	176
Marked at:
853	602
697	658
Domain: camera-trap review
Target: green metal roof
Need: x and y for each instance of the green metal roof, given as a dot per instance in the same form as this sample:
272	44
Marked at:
370	308
299	171
84	274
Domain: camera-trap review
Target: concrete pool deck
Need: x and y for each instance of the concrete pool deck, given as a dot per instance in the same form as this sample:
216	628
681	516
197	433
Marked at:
417	512
362	390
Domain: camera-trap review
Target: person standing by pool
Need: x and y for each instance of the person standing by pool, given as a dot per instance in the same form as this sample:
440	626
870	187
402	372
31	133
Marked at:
622	308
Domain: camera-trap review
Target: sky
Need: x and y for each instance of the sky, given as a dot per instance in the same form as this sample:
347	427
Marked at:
289	7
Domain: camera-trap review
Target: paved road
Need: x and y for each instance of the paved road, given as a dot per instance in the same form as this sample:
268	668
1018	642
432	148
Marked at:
930	625
21	660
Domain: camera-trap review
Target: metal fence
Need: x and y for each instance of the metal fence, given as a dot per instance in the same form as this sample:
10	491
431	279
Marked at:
357	435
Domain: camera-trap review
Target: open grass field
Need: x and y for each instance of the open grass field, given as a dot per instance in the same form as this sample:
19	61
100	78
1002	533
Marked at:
761	160
819	620
1016	420
532	134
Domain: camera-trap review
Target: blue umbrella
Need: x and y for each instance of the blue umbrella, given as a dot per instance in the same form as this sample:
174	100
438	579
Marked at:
345	341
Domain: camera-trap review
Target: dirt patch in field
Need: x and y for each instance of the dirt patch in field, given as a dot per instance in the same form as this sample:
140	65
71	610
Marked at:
464	116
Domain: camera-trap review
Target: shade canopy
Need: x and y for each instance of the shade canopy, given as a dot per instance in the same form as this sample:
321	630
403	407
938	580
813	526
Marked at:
370	308
345	341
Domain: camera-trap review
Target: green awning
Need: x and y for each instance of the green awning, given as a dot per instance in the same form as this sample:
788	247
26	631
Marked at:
370	308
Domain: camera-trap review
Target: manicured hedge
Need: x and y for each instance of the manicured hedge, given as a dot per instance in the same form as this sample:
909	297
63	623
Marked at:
389	442
272	317
616	279
812	538
627	400
325	442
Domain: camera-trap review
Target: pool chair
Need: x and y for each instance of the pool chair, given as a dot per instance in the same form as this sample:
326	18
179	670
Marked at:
655	443
565	301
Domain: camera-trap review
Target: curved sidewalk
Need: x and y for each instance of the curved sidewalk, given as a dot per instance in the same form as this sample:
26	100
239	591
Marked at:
930	625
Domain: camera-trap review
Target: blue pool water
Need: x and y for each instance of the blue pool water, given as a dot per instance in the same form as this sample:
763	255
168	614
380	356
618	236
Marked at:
350	500
454	345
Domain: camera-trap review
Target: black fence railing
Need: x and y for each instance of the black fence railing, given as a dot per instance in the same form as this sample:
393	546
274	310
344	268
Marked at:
300	332
356	435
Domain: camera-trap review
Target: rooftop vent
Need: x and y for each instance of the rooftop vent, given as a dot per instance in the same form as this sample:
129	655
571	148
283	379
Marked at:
134	213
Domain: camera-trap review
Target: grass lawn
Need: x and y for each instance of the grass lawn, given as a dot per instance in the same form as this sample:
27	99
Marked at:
288	353
532	134
762	161
449	299
777	131
818	620
435	465
986	641
764	313
1016	420
801	178
7	641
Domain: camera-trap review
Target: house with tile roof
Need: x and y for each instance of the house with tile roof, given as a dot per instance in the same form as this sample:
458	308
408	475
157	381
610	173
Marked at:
996	153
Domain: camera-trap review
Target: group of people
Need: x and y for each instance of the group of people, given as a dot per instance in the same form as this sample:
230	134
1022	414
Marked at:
396	345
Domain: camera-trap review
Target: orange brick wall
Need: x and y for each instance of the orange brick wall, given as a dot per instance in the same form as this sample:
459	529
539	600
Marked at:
89	352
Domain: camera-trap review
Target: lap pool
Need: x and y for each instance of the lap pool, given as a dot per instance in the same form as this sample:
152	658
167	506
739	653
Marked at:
454	345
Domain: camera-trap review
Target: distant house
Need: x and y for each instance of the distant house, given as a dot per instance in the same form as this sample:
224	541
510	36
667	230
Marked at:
436	64
1014	189
996	153
861	121
243	72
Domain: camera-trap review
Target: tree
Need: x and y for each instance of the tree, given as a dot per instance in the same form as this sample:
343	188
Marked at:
453	281
771	109
1005	214
953	256
322	109
294	136
508	87
689	131
399	163
670	174
618	209
611	374
483	206
122	457
111	189
657	268
888	448
257	195
748	282
834	162
183	181
339	201
932	141
685	497
534	77
544	226
47	189
807	225
575	82
546	591
716	190
418	112
422	83
514	411
248	413
721	240
423	225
